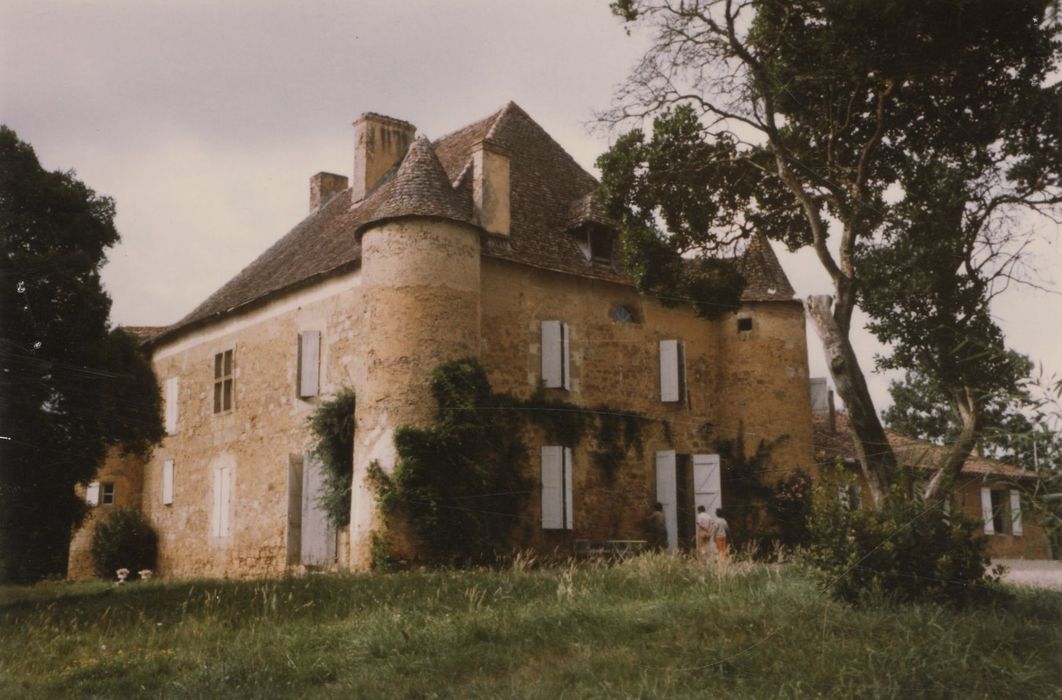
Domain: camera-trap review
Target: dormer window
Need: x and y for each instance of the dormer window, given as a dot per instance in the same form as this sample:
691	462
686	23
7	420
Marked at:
601	242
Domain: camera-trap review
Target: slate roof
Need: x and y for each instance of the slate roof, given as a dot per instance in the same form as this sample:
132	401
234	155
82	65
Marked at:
830	445
550	195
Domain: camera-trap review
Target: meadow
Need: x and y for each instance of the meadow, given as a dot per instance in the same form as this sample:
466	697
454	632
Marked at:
653	626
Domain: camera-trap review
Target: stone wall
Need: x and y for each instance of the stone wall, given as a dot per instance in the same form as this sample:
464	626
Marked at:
126	473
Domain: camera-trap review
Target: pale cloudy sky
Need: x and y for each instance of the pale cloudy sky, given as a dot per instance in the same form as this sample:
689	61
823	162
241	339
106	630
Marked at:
205	120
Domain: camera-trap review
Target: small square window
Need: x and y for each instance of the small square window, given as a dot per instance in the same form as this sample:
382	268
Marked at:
107	493
744	324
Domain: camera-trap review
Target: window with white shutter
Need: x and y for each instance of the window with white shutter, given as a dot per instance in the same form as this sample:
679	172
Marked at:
222	501
167	482
92	493
1015	513
557	507
672	371
172	387
556	350
309	364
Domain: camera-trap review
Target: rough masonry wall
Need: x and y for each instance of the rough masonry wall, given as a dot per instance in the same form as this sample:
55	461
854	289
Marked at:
126	473
1031	544
256	438
616	364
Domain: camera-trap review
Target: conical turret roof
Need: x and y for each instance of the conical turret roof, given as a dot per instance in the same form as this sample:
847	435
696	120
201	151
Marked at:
420	187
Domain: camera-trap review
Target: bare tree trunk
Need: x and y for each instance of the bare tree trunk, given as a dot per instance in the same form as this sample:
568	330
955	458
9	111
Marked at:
963	445
875	455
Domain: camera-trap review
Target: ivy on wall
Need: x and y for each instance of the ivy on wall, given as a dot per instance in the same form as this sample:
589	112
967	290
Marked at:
332	426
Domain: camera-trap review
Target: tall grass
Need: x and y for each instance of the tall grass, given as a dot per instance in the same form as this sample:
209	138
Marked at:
654	626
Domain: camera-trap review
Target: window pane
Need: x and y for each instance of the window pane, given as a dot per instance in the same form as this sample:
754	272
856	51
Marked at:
228	395
228	362
108	494
217	397
217	366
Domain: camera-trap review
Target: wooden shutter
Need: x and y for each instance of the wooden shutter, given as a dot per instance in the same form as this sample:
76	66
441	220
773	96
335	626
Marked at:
552	354
318	536
986	510
309	364
172	385
669	371
92	493
553	510
566	364
569	509
167	482
215	518
707	488
667	494
294	509
222	501
1015	513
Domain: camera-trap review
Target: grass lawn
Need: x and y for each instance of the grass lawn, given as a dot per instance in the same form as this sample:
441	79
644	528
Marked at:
651	627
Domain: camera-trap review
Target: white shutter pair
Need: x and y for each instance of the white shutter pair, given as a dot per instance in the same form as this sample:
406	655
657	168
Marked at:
172	387
672	371
222	501
556	351
707	486
167	482
707	489
309	364
1015	512
557	510
92	493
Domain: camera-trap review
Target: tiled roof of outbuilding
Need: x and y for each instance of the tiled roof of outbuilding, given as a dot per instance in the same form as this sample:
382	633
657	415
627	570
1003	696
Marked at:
550	194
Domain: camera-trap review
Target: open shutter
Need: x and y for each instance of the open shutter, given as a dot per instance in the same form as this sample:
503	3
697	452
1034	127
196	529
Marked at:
172	385
669	370
552	355
707	488
309	364
986	511
167	482
552	487
566	364
294	508
92	494
569	509
1015	512
667	494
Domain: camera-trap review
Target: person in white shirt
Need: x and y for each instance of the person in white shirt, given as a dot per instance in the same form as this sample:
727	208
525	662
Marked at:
706	531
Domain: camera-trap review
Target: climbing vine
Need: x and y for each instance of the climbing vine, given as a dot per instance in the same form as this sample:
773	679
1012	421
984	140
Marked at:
332	426
460	485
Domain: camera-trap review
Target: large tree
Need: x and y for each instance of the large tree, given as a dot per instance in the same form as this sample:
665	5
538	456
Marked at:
826	123
70	386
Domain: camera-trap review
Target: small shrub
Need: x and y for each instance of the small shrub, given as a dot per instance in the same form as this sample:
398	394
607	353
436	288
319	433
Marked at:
910	550
124	539
790	507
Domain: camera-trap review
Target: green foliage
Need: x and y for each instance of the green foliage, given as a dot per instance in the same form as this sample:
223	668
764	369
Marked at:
332	425
790	507
910	550
459	484
71	387
124	539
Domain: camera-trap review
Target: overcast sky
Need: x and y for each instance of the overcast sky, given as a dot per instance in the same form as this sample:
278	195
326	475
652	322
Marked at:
205	120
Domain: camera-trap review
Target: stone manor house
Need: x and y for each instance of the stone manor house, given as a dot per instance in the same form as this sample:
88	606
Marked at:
485	243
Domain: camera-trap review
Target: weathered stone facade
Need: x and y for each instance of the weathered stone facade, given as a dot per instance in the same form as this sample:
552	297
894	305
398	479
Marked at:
439	251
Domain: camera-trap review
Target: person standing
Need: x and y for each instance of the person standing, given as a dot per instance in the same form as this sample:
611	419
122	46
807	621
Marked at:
706	530
722	529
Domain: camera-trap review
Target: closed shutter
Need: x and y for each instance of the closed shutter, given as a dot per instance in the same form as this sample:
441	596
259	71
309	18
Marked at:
569	508
226	501
707	487
667	494
1015	512
172	385
669	371
553	510
566	363
294	508
986	511
309	364
92	494
215	512
167	482
553	354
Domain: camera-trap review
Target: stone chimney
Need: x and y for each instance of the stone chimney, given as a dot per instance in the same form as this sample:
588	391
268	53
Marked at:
379	144
490	187
323	186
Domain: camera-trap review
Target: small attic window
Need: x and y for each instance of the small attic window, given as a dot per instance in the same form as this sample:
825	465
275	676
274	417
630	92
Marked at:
744	324
601	242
